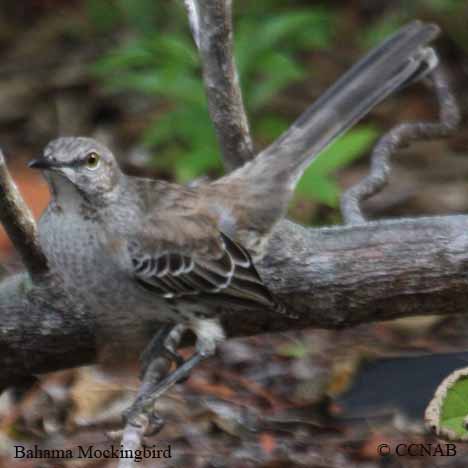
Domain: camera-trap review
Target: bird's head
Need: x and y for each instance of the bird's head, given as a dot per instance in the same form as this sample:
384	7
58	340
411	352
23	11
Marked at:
81	164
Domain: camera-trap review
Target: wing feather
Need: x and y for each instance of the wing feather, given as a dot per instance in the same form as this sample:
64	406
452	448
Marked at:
228	271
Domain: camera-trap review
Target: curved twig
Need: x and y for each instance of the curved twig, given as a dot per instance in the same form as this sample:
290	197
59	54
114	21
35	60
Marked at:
396	138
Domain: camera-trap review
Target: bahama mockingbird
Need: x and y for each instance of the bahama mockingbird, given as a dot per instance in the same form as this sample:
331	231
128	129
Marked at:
177	253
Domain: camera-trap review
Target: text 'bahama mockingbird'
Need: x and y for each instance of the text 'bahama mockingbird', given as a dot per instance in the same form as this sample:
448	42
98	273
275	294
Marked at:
176	253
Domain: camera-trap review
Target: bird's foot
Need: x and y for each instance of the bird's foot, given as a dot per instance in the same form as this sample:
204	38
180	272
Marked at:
156	348
154	422
141	413
180	374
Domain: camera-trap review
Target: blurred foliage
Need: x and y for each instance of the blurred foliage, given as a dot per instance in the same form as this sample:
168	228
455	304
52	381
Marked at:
158	59
161	61
432	10
317	181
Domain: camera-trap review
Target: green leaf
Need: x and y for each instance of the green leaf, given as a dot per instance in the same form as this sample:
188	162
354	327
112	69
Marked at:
190	131
173	49
447	413
166	83
278	71
455	407
318	32
259	36
162	129
133	54
316	182
153	54
346	149
190	125
198	162
318	187
103	15
270	127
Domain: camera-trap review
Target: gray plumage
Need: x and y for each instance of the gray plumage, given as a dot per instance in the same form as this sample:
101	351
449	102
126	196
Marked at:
174	253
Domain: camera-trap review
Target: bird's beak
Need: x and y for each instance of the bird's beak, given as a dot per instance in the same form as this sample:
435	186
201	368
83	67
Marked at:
41	163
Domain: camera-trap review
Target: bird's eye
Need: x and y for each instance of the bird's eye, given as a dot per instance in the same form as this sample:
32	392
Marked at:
92	161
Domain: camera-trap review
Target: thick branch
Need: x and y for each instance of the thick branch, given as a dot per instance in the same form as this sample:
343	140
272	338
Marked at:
39	331
211	24
19	224
332	278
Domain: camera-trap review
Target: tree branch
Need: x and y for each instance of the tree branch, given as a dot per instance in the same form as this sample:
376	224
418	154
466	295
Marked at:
19	224
211	25
40	331
331	278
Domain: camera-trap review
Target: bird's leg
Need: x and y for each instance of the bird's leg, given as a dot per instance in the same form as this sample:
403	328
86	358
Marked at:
209	333
142	412
181	373
155	422
157	347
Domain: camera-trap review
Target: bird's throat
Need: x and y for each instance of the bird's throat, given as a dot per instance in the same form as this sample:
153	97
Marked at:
63	192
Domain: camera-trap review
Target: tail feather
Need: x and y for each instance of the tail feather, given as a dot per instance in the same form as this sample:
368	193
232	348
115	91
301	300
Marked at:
400	60
256	195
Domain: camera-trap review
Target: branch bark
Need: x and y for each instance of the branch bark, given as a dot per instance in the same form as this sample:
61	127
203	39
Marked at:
211	25
19	224
332	278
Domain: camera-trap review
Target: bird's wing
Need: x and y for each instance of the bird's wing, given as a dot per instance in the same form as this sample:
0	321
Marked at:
177	256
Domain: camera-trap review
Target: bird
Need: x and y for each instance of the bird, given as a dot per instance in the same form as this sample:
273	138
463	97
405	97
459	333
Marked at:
180	253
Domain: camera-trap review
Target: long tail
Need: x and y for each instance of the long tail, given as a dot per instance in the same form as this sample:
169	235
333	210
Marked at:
402	59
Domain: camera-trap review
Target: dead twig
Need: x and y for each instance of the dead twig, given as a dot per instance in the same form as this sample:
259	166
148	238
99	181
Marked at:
399	137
